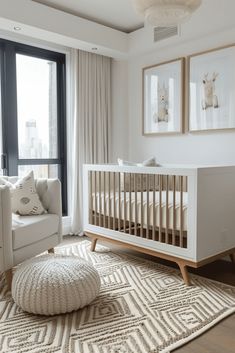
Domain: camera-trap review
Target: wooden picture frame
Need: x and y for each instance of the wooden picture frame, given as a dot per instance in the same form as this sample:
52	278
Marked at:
163	98
211	90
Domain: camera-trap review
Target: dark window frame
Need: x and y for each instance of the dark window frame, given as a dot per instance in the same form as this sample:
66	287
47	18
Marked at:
11	161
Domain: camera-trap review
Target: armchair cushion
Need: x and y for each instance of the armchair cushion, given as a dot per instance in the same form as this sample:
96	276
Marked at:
27	230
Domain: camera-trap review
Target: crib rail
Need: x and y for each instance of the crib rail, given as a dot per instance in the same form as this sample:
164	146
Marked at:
149	205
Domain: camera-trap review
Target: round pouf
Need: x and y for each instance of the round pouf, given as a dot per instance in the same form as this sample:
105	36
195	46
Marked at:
54	284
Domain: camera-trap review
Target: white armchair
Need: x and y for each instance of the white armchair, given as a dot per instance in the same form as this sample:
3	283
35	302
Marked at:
22	237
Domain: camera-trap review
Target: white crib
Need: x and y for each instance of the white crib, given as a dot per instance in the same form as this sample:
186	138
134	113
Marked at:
184	214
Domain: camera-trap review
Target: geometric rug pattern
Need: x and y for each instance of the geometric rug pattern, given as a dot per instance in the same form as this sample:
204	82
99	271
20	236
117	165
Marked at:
143	307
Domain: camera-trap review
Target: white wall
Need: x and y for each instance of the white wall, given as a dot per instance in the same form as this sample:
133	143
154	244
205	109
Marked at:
202	148
119	135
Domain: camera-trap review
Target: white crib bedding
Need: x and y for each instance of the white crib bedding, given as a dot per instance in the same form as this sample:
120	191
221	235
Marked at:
102	205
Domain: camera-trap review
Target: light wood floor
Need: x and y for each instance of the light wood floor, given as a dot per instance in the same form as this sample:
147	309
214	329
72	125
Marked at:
219	339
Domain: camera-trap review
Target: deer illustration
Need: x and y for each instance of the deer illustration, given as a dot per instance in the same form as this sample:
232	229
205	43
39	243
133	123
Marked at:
210	99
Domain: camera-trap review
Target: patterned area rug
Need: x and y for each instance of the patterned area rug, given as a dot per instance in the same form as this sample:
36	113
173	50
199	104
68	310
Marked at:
143	307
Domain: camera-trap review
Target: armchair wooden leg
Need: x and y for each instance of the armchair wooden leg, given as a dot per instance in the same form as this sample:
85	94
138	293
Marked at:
51	251
93	244
8	278
185	274
232	257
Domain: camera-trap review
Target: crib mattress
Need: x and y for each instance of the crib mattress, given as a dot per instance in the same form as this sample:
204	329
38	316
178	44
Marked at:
117	207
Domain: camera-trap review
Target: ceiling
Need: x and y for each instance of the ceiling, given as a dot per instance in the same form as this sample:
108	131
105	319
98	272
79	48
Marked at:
117	14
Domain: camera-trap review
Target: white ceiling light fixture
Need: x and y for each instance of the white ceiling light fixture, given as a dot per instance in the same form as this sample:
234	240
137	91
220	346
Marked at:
166	12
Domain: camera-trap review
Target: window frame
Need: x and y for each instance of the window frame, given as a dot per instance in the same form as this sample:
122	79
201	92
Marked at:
10	158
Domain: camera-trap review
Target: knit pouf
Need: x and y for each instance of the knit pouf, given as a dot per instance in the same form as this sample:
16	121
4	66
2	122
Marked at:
54	284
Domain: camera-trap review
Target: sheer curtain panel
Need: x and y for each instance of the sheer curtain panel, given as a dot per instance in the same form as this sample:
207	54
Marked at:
92	118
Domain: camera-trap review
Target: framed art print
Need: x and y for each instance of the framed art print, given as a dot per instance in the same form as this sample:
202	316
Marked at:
163	97
212	90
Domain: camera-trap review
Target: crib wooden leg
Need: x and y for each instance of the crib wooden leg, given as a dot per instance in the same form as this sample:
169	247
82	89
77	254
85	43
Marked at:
8	277
232	257
185	274
93	244
51	251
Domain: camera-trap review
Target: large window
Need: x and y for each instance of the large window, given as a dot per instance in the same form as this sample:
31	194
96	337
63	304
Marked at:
33	128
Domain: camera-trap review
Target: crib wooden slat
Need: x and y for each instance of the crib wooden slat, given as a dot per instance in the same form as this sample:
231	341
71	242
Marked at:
160	208
142	207
91	198
119	202
174	211
181	211
95	198
154	210
114	200
167	210
104	188
130	206
186	232
109	201
147	201
124	179
136	205
99	195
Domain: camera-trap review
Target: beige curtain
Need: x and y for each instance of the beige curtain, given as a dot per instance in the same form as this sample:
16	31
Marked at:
92	117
